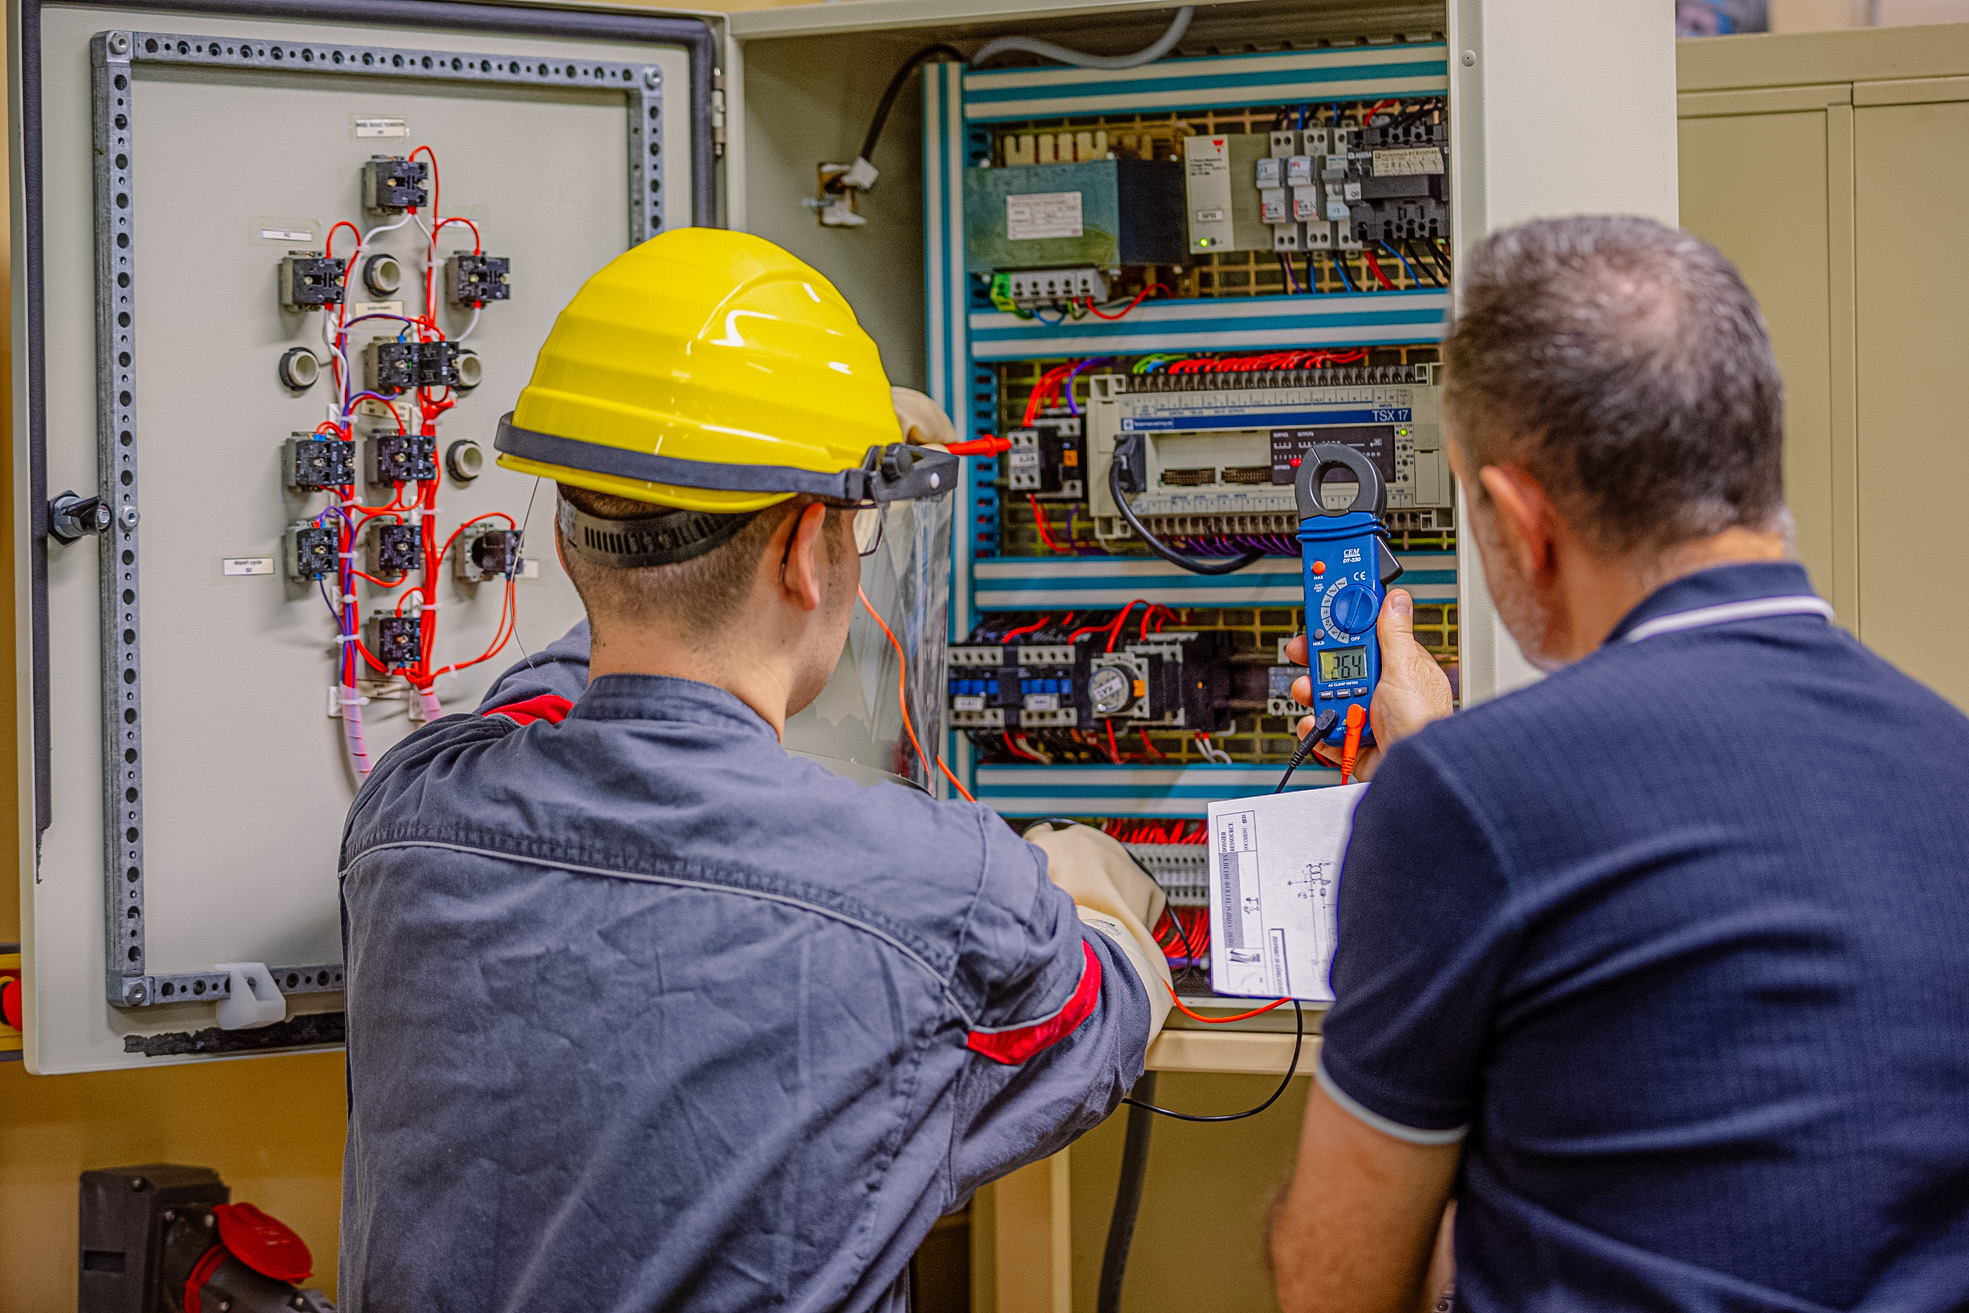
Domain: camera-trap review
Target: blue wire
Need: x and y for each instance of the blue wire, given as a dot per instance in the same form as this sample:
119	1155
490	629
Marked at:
1050	323
1341	269
1405	264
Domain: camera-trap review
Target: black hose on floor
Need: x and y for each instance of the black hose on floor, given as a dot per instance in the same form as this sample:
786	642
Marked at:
1127	1196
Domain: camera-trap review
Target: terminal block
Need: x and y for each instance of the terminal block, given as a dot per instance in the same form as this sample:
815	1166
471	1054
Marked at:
390	366
486	552
310	280
394	640
392	184
476	279
311	552
310	461
402	458
437	364
392	548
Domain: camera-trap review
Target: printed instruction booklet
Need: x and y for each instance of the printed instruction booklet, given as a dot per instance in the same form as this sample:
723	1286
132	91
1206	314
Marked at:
1274	877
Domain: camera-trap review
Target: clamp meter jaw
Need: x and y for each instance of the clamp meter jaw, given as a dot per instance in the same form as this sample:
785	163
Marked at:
1347	568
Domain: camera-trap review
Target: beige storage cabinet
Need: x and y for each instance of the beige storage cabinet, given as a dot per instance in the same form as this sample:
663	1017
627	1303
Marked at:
1829	167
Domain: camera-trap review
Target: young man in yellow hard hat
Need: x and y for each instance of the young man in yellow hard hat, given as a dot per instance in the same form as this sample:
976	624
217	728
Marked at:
644	1012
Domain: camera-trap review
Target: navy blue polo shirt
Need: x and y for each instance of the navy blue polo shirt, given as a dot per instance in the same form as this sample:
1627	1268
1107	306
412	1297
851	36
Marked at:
1678	938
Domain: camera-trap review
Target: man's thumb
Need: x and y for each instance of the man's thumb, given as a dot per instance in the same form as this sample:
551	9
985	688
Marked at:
1398	614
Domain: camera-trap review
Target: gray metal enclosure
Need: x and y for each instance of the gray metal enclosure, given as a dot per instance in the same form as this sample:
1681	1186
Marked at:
209	704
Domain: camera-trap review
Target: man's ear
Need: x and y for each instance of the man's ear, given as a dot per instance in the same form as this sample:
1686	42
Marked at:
1526	519
800	578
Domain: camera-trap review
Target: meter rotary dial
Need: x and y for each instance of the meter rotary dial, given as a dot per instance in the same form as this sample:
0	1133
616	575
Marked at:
1110	690
1354	609
1347	606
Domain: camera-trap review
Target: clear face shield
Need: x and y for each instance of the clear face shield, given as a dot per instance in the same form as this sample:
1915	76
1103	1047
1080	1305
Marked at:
856	727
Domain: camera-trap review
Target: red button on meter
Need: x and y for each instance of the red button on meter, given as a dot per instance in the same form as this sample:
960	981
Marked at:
1319	567
263	1243
10	1001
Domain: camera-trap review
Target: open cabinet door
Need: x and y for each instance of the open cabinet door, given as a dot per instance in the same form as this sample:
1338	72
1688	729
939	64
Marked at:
215	260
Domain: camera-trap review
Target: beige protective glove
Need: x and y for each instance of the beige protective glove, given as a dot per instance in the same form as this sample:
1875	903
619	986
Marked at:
923	422
1114	897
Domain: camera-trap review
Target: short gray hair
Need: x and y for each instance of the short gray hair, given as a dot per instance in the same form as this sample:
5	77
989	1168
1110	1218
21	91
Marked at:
1625	365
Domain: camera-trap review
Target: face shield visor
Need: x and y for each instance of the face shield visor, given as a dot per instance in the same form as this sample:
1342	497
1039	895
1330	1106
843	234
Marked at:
855	728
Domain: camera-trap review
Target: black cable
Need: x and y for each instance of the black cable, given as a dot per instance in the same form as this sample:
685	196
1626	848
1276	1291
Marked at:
894	89
1291	1070
1127	1200
1322	726
1228	565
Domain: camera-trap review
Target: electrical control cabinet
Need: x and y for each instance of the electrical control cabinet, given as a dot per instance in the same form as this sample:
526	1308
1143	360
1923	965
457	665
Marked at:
1227	268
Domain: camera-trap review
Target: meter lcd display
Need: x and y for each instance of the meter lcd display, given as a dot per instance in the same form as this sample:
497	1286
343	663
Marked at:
1341	663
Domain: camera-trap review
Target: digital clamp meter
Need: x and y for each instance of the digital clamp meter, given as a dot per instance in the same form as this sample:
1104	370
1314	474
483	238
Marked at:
1348	567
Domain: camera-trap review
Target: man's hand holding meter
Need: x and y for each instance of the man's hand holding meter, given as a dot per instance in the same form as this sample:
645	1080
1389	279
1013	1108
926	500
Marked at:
1413	690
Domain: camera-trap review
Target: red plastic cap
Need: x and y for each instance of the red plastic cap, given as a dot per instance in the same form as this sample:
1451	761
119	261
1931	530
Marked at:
10	1001
265	1244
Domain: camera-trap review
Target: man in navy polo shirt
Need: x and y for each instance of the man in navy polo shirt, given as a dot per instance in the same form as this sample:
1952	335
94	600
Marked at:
1659	967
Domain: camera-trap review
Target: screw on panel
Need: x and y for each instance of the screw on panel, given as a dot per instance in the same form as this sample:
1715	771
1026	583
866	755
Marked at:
128	516
1469	59
119	43
652	76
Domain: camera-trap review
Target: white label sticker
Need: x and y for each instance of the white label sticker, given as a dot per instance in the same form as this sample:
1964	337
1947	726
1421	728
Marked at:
1401	163
1209	216
284	230
1042	702
967	703
378	125
247	564
360	308
1041	214
529	569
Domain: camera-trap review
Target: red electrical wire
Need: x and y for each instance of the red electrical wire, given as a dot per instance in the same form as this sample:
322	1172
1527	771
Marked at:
1160	754
1379	277
1114	750
1115	629
1039	518
1011	634
1100	314
1220	1021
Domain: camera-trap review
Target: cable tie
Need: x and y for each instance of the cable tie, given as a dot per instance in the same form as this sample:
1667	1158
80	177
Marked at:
350	597
346	638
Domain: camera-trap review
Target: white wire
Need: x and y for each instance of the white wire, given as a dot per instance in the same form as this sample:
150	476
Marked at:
1078	59
477	310
373	233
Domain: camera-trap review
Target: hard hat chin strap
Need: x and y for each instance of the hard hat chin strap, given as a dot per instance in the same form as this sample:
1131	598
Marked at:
895	472
669	538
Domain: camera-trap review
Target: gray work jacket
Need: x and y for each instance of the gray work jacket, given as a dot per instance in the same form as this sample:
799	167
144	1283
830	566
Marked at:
646	1014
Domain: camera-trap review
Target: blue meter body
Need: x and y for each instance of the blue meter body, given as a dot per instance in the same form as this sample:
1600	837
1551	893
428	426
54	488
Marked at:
1347	567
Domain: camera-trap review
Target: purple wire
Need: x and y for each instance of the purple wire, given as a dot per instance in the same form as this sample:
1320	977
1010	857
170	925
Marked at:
1066	388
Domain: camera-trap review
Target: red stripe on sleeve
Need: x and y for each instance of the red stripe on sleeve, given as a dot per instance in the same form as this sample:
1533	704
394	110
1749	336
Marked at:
550	707
1014	1044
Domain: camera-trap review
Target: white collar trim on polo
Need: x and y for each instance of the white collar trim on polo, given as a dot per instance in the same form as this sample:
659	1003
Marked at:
1757	608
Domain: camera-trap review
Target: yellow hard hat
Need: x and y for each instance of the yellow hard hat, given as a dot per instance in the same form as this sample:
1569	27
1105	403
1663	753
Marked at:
711	371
